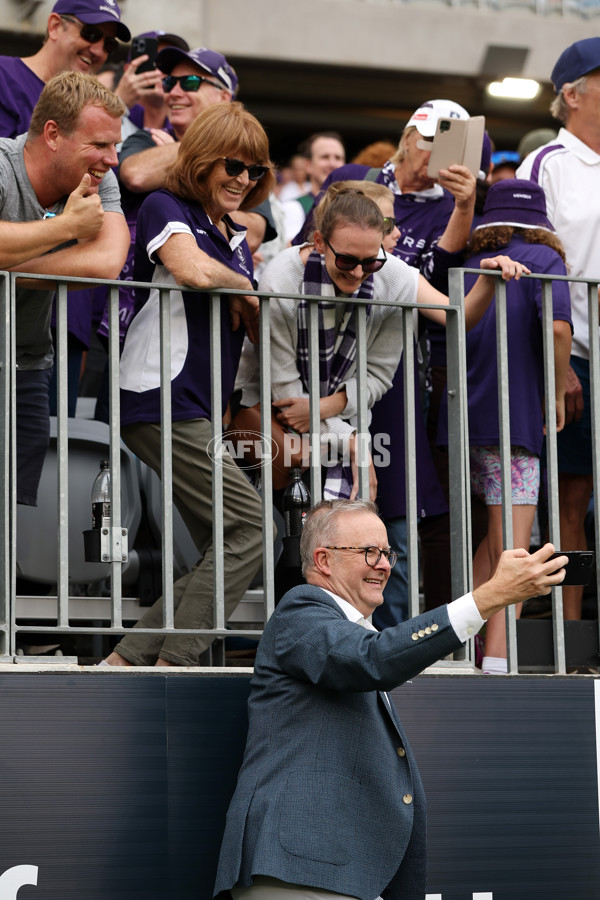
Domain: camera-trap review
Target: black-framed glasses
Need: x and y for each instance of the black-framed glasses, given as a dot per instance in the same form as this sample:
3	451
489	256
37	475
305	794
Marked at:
92	34
389	224
373	554
235	167
346	263
188	83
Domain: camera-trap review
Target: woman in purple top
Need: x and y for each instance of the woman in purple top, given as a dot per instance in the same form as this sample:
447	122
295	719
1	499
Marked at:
514	222
186	236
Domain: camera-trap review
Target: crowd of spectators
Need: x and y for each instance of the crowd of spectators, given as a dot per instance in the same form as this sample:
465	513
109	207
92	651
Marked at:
156	172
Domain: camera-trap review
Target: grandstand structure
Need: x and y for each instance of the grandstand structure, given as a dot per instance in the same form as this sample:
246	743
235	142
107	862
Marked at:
360	66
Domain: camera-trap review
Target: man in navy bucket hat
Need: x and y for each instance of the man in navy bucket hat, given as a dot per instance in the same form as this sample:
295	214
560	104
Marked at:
568	170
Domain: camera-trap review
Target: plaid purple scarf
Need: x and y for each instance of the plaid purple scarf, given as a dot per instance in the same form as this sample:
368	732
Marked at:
337	350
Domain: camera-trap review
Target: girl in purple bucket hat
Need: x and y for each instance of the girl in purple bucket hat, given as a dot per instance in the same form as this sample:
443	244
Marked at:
514	222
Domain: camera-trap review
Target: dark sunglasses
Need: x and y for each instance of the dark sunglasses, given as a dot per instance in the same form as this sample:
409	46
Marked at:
235	167
388	225
188	83
92	35
346	263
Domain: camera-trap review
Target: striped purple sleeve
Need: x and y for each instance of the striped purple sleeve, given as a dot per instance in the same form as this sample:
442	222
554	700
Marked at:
541	156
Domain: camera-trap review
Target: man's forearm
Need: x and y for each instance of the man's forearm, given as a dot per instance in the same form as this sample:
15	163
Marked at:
145	171
22	241
101	257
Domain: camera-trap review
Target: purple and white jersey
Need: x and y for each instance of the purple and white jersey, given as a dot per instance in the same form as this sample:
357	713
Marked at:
20	89
161	216
525	352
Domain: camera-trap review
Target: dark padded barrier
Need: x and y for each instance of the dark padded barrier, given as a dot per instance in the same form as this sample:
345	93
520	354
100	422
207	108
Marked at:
115	787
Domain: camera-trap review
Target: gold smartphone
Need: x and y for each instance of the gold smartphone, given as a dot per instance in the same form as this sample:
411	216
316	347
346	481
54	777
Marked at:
457	142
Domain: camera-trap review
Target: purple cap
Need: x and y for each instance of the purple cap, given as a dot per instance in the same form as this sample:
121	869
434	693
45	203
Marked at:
94	12
516	202
164	37
577	60
209	60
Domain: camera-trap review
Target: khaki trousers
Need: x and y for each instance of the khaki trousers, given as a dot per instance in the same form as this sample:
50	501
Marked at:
242	533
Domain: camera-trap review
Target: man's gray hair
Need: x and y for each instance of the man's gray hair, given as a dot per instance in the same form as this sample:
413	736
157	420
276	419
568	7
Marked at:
559	107
320	525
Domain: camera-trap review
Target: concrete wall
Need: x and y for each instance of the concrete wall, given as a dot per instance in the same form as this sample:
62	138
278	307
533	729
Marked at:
397	36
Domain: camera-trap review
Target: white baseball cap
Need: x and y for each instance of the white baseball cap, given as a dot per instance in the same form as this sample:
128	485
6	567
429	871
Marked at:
425	118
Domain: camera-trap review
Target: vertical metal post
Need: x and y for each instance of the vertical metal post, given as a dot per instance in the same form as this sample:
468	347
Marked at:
6	493
410	461
362	429
314	400
552	467
505	458
116	540
217	470
62	455
266	471
595	414
458	444
166	463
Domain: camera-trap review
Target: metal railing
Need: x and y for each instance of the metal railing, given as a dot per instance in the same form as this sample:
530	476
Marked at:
457	291
116	616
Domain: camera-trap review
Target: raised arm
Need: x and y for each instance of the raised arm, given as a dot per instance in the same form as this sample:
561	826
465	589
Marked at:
461	184
479	297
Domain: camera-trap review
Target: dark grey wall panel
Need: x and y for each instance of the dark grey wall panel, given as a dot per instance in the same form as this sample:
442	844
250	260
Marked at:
116	786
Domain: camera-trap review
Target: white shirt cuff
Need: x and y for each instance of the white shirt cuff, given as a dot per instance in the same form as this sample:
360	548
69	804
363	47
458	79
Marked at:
464	617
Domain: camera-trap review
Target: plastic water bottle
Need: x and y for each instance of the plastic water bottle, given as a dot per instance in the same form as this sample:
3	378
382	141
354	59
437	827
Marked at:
101	497
296	503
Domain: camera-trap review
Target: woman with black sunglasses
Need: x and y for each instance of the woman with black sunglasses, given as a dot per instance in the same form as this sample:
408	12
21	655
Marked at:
343	262
186	236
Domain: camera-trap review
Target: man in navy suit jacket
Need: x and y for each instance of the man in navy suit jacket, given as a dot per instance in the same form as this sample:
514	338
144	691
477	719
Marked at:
329	797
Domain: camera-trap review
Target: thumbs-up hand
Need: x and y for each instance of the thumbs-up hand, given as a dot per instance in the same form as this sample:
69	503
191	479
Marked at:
85	213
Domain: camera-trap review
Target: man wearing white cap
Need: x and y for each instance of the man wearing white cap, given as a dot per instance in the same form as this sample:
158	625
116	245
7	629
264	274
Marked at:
568	169
422	207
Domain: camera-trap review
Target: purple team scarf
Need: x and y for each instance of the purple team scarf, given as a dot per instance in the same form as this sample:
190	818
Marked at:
337	350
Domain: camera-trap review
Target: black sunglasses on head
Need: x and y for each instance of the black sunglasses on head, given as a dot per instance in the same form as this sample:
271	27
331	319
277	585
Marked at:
92	34
346	263
188	83
235	167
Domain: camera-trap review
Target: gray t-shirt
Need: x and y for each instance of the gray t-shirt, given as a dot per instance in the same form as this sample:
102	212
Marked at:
18	203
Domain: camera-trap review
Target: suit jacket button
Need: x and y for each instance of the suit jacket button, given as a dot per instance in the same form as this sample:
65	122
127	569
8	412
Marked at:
408	799
428	630
434	627
415	636
401	751
421	633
